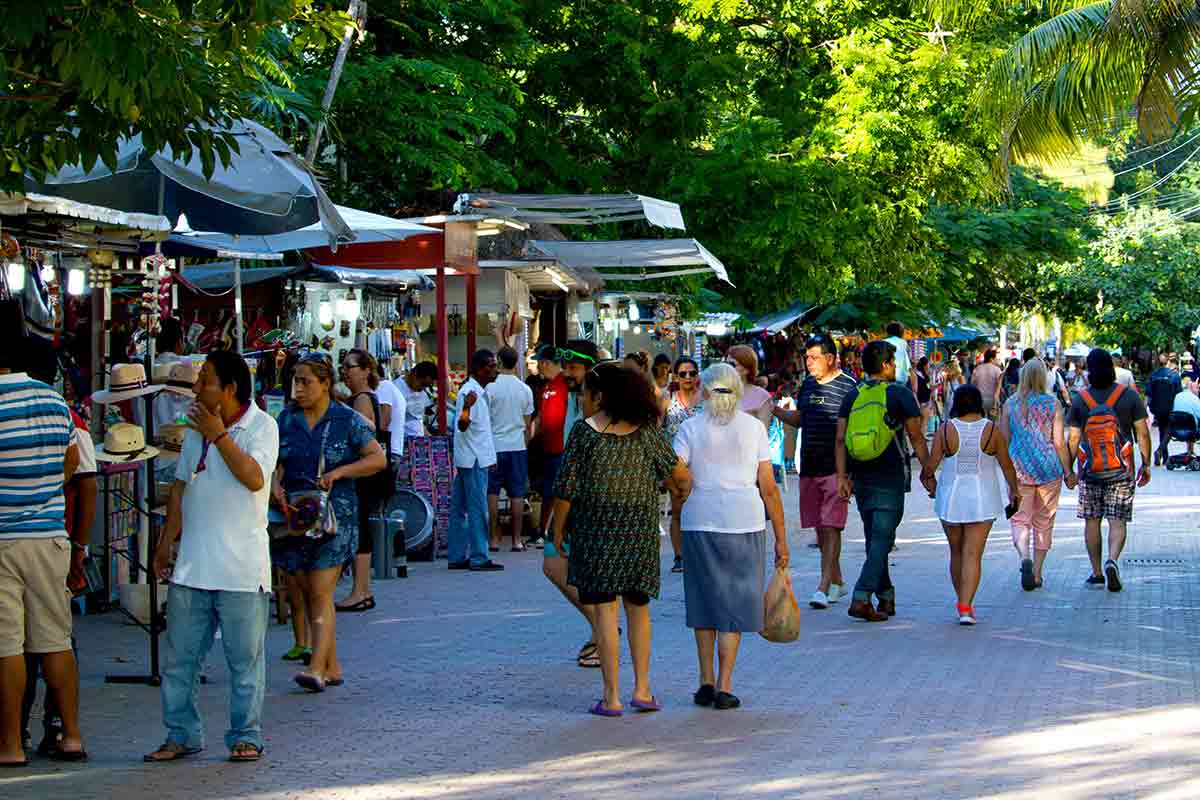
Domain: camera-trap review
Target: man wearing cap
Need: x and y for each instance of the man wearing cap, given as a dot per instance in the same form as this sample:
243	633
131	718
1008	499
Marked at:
222	575
576	357
37	456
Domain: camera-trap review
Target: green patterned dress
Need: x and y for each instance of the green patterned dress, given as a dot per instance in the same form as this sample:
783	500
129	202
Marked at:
612	483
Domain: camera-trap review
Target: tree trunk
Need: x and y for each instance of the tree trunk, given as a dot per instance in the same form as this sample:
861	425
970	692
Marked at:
358	13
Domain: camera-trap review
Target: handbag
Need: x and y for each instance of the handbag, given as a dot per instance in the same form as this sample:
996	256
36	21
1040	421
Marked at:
309	512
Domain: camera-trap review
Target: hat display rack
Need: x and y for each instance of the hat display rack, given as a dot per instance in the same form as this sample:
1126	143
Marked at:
131	382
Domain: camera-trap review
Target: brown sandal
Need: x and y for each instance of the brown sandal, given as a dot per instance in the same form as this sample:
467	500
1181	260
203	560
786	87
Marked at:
170	751
244	751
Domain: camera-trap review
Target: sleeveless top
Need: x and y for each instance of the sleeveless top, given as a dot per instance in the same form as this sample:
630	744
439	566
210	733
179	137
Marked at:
968	488
1031	439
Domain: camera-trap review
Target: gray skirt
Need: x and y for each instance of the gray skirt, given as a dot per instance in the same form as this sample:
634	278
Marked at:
724	580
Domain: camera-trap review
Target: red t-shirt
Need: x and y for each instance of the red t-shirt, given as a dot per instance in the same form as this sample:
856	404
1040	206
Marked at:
553	414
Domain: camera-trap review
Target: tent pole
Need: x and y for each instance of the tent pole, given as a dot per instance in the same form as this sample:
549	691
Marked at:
237	302
443	350
472	313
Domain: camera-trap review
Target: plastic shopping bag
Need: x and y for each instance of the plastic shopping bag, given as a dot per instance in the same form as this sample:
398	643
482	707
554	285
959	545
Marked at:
781	612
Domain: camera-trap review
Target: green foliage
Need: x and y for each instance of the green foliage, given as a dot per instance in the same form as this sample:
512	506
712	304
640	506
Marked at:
1137	283
78	76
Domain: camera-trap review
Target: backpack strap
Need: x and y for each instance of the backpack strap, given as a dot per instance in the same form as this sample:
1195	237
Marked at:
1112	398
1087	398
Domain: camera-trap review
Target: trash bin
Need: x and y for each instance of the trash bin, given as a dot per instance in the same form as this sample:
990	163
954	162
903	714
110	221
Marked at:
386	560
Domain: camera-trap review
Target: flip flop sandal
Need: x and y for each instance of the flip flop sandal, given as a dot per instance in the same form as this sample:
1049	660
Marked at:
309	682
520	549
243	752
366	604
170	751
298	654
600	711
590	661
646	706
335	681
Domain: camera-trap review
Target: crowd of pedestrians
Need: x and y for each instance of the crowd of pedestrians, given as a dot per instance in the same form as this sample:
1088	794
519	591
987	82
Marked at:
616	438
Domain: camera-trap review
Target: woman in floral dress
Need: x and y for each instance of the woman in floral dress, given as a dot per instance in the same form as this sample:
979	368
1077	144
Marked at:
685	403
606	502
315	422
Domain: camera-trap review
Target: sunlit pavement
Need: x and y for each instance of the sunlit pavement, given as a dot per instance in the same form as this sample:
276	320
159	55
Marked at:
464	686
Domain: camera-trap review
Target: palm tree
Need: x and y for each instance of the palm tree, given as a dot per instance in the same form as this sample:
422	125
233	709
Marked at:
1088	67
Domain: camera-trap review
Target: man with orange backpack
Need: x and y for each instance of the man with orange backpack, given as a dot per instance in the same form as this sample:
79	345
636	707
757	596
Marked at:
1103	421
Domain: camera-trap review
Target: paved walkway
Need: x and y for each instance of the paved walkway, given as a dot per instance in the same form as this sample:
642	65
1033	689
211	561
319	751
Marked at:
464	686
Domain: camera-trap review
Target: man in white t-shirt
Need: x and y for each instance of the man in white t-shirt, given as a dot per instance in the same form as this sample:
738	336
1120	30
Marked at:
414	387
222	576
393	410
1124	376
510	403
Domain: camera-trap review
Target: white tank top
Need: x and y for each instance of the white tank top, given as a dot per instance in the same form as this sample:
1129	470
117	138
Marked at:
968	487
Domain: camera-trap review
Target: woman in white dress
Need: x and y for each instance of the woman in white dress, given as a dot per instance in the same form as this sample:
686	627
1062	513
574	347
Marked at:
968	499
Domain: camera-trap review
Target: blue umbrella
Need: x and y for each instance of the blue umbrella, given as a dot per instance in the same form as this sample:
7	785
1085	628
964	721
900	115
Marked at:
266	189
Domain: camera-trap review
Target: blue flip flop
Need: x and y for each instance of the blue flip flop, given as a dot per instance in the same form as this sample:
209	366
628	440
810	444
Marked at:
601	711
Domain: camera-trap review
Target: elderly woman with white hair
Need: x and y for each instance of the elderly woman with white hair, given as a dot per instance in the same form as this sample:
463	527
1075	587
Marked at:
723	521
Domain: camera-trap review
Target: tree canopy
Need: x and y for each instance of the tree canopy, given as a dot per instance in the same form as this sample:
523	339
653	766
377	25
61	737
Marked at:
80	75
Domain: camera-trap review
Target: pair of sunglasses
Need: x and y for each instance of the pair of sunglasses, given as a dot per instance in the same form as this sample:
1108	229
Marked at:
574	355
688	373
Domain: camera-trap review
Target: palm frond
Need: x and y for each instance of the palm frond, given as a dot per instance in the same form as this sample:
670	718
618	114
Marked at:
968	13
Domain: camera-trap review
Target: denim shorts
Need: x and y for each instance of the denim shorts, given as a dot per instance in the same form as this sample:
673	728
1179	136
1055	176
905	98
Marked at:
510	472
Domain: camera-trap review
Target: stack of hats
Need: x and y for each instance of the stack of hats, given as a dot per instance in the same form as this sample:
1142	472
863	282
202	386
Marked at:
125	382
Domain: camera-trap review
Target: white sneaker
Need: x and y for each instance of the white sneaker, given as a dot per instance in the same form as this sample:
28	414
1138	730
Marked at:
819	600
836	592
966	619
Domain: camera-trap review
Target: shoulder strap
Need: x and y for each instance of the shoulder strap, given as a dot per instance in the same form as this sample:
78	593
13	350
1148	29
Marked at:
1116	393
991	429
1088	400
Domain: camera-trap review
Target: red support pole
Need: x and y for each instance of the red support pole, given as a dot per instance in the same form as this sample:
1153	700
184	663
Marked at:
443	350
472	313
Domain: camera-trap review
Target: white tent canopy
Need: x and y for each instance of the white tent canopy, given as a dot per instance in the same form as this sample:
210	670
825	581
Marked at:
367	227
573	209
663	255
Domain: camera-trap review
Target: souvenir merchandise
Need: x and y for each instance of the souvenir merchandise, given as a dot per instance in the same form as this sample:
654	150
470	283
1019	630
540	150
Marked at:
125	444
125	382
170	441
179	378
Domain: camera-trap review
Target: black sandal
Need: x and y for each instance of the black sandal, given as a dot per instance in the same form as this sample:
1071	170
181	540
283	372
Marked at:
243	752
366	604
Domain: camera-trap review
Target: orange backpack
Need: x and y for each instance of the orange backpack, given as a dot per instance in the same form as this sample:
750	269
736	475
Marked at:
1105	455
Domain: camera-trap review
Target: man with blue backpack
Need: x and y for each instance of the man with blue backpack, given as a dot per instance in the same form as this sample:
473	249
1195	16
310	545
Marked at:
1103	421
872	460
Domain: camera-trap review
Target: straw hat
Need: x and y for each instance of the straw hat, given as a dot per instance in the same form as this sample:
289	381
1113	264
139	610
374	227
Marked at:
125	382
178	377
170	441
125	444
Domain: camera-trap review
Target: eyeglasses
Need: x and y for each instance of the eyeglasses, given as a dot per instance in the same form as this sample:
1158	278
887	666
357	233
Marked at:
574	355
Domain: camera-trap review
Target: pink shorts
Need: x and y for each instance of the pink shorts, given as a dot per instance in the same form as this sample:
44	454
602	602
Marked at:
820	506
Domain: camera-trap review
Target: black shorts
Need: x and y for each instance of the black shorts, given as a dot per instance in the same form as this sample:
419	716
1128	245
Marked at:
599	598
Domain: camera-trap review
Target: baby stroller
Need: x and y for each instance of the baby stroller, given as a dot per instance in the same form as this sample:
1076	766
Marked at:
1183	428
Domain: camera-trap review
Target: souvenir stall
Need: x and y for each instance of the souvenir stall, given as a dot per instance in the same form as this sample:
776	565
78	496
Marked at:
69	249
625	322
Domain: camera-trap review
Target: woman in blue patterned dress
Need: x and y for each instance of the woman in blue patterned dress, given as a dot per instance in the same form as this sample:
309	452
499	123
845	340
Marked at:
315	421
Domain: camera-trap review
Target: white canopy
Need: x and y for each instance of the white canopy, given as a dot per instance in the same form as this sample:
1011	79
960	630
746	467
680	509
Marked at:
367	227
662	254
572	209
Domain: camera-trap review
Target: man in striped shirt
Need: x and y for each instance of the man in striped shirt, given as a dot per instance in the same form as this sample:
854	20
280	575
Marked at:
36	457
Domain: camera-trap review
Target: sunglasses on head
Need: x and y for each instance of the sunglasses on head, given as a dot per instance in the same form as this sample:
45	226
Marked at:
573	355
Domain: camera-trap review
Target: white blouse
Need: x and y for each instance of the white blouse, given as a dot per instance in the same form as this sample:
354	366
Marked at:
723	460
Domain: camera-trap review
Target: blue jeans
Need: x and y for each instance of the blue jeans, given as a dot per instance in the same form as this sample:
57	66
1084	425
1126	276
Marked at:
468	534
193	616
881	511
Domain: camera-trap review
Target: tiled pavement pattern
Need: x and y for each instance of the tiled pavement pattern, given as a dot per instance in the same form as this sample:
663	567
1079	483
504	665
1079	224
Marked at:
464	686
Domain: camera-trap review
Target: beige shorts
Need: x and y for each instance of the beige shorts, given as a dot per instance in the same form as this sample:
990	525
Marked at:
35	605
